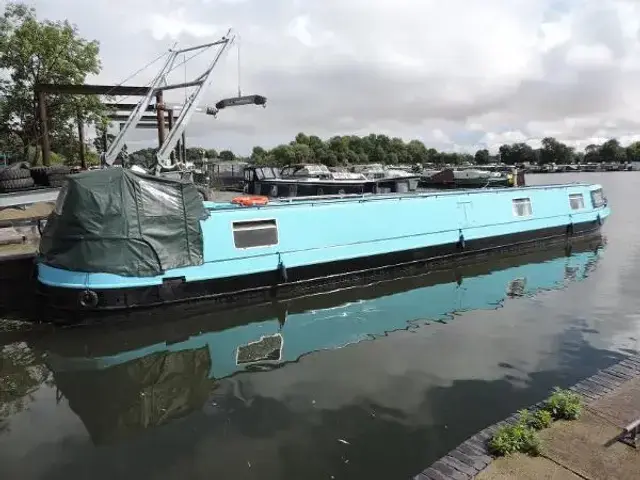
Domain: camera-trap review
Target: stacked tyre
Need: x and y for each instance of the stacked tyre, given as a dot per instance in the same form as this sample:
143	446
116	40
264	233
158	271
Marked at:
15	178
50	176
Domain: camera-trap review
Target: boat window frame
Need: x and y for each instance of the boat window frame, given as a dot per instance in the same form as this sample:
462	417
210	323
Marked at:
575	196
158	200
252	226
521	201
597	203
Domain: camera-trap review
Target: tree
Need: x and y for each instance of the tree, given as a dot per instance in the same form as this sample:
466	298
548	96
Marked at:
633	152
283	155
522	153
227	156
417	152
98	142
302	153
195	154
612	152
33	52
211	154
302	138
259	156
554	151
592	154
482	157
506	155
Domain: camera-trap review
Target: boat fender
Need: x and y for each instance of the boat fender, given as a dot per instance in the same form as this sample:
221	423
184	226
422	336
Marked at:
599	220
570	229
88	299
283	272
461	242
250	200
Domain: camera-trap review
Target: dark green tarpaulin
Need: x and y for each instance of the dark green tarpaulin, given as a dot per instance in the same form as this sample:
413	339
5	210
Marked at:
118	221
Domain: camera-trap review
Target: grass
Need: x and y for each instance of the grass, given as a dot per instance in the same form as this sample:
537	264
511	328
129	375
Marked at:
523	436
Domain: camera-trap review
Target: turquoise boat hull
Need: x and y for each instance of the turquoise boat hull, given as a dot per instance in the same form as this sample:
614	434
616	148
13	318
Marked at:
290	248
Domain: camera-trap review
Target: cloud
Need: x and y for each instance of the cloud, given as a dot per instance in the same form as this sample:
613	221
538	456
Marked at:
175	25
477	73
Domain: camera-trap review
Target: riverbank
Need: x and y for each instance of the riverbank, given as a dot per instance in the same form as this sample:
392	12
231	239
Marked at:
585	448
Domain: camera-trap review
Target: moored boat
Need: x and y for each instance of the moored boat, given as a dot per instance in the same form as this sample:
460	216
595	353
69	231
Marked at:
120	239
303	180
380	172
473	178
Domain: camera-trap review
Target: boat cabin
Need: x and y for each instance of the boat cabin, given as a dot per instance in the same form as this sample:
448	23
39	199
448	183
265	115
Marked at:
299	180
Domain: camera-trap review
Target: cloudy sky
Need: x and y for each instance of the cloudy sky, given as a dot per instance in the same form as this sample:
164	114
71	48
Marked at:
458	75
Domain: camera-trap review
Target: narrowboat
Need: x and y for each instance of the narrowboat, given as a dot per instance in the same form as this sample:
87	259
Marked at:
120	239
180	362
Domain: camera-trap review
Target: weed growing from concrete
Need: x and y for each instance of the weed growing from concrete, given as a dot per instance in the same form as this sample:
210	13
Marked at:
523	437
564	404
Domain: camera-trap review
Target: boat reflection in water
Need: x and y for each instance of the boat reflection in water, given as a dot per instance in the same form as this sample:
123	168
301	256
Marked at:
144	373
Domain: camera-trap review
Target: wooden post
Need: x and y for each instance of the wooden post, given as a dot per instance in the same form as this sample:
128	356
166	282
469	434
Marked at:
105	147
44	129
184	147
80	118
160	115
172	156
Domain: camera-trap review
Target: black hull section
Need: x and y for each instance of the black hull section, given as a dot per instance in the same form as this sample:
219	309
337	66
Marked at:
300	281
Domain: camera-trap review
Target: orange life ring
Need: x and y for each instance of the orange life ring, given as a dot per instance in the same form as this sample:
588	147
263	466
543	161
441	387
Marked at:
249	201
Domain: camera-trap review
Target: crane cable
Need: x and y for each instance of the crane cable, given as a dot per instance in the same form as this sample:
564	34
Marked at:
238	47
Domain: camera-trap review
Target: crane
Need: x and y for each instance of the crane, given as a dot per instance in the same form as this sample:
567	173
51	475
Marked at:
159	83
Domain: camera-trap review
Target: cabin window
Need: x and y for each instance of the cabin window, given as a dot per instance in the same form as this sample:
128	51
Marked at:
255	233
576	200
158	200
269	173
597	198
522	207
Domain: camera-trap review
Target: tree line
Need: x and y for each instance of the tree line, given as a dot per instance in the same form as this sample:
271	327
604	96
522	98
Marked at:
351	149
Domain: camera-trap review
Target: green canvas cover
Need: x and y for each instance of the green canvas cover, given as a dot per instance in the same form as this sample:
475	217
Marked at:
118	221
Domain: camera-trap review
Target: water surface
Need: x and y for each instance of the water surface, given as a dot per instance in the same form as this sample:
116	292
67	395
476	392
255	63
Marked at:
369	383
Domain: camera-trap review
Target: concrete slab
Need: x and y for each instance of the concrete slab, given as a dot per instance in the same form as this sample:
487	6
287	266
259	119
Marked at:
580	447
9	236
523	467
18	250
35	210
622	406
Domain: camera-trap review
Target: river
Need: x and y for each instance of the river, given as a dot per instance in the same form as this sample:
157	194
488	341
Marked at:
376	382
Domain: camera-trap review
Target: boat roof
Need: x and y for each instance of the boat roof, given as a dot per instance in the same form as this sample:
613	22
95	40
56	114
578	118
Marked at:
316	199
